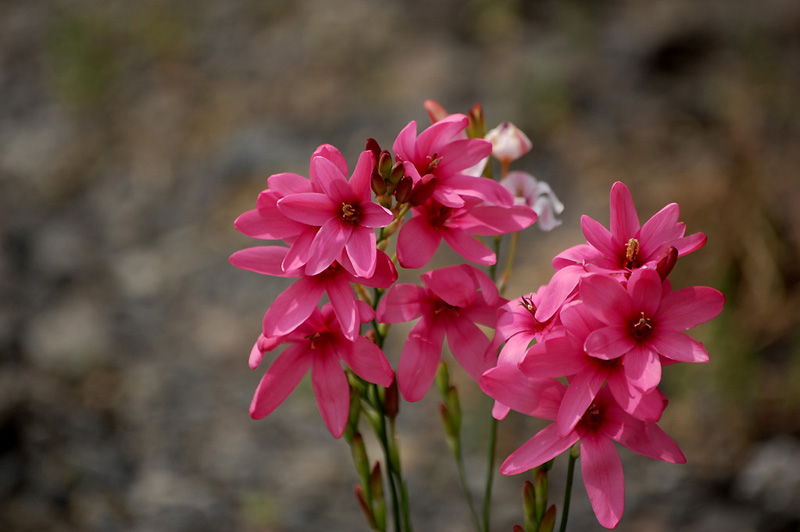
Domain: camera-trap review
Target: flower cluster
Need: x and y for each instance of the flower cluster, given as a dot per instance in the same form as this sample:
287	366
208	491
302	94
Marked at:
607	322
585	350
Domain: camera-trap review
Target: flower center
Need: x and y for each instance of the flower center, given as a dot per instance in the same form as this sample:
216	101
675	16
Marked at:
641	328
351	213
440	305
527	304
632	254
591	417
317	339
438	215
433	162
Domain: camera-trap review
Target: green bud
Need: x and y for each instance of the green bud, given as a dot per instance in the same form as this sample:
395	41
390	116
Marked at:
477	123
378	499
385	164
454	407
450	430
443	379
378	183
360	459
396	173
528	503
365	507
540	493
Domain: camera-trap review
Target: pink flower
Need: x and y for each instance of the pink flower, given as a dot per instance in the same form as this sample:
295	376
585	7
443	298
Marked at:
432	221
343	211
453	300
516	328
602	424
319	344
267	221
628	245
443	154
565	356
643	320
537	195
292	307
509	143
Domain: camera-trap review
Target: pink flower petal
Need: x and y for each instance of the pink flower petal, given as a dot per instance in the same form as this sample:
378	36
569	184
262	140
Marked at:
606	299
492	220
544	446
361	251
309	208
367	361
453	284
644	286
609	343
419	360
404	145
468	345
642	368
332	181
263	259
279	380
561	286
459	155
598	236
581	392
648	439
288	183
534	397
689	243
374	215
661	228
624	221
468	247
267	224
679	346
360	181
384	276
300	250
440	134
578	320
603	478
332	154
331	391
688	307
292	307
343	302
558	357
329	242
416	243
403	302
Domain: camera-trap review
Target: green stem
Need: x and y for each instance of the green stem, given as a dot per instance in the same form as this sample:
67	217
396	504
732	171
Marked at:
574	453
462	476
487	496
512	251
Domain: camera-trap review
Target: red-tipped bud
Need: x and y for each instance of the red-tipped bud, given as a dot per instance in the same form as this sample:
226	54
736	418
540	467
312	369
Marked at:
392	400
435	110
362	502
403	191
518	528
666	262
374	147
423	191
549	520
378	183
477	124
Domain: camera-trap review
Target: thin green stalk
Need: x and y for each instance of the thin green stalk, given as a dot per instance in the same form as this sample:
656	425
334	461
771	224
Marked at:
462	476
512	251
574	453
487	496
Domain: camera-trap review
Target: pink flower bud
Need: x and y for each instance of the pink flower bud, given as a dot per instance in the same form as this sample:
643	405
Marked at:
508	142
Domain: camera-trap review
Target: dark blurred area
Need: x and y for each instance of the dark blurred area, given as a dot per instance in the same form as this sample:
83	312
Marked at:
133	133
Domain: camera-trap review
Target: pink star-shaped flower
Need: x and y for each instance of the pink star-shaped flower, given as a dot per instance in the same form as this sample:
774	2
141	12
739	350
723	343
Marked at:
599	426
343	211
453	300
644	319
629	245
318	344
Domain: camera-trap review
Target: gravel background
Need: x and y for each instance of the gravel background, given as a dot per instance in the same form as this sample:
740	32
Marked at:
133	133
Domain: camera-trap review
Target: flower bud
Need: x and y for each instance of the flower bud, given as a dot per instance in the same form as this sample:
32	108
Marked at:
385	164
443	379
391	401
378	499
508	142
477	123
374	147
360	458
423	190
529	502
396	173
403	191
549	521
365	507
378	183
518	528
666	262
540	492
435	110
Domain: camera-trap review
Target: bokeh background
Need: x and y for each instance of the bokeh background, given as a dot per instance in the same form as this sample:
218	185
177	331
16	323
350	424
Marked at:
132	133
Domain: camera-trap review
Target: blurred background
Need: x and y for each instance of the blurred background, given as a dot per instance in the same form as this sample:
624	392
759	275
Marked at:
133	133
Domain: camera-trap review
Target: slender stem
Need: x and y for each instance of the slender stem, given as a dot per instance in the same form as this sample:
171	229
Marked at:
573	457
462	476
487	496
512	251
